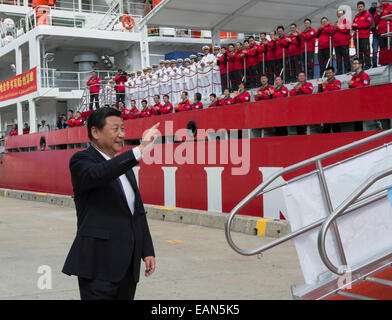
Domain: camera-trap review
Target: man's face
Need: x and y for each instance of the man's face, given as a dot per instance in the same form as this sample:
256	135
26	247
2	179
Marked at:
251	41
187	63
238	46
264	80
324	22
272	35
227	93
223	50
70	114
307	24
112	135
167	65
93	74
361	8
155	69
212	99
78	115
166	99
241	87
263	37
356	65
216	51
156	100
330	74
183	96
246	45
231	48
133	104
301	77
144	105
173	65
280	31
206	51
293	29
278	81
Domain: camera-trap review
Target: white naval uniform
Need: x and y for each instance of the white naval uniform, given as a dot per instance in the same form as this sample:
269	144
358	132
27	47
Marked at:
216	86
138	84
208	76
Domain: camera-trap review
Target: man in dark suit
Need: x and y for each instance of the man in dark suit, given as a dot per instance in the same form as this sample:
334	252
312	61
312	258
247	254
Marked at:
112	231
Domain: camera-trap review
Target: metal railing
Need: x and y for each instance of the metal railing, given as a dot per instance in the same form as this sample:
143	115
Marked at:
354	203
379	194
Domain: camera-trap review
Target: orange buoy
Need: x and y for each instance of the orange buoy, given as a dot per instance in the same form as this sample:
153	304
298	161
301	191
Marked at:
128	22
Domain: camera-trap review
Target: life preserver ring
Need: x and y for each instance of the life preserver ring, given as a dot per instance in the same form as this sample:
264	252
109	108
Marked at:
128	22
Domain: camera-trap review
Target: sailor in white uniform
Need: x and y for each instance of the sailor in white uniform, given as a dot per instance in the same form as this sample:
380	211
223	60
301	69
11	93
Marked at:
168	71
216	78
138	85
201	75
154	81
208	61
174	76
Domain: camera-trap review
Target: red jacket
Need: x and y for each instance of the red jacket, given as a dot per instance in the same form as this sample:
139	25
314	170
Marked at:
197	106
270	51
184	106
13	132
120	84
79	122
342	35
294	46
226	102
231	61
146	113
133	114
281	92
70	123
323	35
252	56
263	93
238	60
308	36
242	97
215	104
306	88
125	114
382	24
261	50
26	131
332	85
281	44
364	22
360	80
222	65
166	109
93	85
156	112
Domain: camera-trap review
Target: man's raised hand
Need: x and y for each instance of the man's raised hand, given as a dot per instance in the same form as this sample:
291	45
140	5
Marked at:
149	139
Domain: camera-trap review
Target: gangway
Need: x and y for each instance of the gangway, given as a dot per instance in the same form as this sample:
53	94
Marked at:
370	275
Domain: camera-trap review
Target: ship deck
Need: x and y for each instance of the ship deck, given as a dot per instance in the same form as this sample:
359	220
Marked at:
193	263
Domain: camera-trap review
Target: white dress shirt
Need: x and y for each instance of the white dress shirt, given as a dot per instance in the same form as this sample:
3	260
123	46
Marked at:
128	190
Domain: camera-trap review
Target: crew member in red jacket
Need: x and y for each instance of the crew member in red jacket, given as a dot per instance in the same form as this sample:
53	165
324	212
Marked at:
233	77
324	35
332	84
360	78
71	119
302	87
341	42
94	86
167	107
197	104
241	96
120	80
280	90
382	24
156	108
13	131
146	111
133	111
269	56
264	93
294	52
239	65
214	102
308	45
361	27
223	67
252	54
281	47
227	100
26	129
184	105
79	121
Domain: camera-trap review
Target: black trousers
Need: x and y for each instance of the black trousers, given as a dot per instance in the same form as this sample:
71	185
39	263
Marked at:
94	99
310	62
383	42
224	81
343	58
295	67
252	77
270	70
323	56
279	67
235	79
364	52
91	289
120	96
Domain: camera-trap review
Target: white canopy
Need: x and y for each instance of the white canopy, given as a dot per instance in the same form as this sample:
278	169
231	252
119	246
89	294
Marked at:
244	16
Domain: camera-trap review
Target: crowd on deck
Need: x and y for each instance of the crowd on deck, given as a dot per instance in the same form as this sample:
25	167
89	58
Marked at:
225	75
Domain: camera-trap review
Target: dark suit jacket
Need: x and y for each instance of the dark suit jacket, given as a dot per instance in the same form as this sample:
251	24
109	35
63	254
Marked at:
109	238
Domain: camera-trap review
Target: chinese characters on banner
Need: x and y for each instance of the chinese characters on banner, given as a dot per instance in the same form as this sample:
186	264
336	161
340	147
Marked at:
19	85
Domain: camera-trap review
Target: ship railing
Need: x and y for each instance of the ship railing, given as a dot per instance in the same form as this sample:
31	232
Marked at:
353	202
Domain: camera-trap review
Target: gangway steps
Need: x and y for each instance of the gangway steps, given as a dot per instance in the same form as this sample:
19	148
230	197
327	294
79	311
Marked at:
375	287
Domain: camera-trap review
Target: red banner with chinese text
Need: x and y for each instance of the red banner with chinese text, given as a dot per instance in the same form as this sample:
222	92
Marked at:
19	85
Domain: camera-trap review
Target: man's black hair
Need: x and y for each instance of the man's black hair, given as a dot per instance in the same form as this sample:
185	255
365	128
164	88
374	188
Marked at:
293	24
186	93
361	2
302	72
263	75
251	37
307	19
167	96
158	96
198	96
145	101
264	33
324	18
359	60
213	95
330	68
97	119
280	27
70	110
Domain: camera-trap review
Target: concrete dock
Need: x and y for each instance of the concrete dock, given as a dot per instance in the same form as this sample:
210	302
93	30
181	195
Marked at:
193	262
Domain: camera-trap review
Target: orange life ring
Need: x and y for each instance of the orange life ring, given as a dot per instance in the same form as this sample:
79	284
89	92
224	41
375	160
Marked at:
128	22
